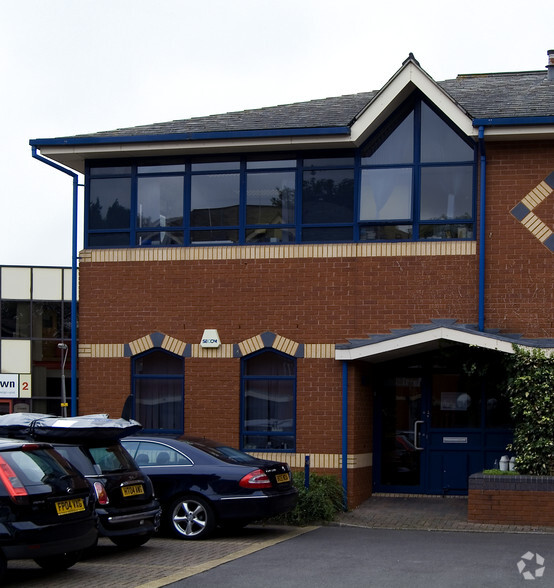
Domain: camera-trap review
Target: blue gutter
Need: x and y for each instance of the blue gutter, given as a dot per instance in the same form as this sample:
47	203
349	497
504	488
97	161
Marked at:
482	202
73	278
200	136
513	120
345	434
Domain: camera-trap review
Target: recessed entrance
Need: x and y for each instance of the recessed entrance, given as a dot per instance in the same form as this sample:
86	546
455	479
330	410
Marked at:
439	417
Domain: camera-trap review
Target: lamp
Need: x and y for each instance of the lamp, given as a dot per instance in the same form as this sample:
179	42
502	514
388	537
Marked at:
63	348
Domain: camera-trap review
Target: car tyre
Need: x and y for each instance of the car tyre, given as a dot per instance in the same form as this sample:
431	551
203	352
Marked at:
190	517
59	563
131	541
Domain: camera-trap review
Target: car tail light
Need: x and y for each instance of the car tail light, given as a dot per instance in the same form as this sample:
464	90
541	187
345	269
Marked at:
101	494
256	479
11	481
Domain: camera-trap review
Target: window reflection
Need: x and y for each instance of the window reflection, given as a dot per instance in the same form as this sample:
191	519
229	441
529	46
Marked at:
110	203
386	194
160	201
269	405
328	196
270	198
214	200
446	193
439	142
398	147
16	319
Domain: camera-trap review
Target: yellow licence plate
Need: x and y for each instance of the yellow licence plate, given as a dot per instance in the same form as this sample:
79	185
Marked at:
282	478
134	490
69	506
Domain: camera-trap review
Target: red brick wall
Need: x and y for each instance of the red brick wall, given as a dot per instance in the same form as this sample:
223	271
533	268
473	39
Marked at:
318	301
104	384
520	270
511	507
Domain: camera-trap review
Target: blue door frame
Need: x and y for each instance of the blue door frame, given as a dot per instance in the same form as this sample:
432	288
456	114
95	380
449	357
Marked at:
429	434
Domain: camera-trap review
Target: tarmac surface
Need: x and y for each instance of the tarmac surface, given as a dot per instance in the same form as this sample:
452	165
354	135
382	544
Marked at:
163	561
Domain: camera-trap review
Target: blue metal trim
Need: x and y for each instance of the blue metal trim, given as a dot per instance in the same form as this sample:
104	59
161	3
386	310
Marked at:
345	434
513	121
200	136
74	255
482	214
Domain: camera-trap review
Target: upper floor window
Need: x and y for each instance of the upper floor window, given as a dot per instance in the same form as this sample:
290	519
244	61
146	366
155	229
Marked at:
413	179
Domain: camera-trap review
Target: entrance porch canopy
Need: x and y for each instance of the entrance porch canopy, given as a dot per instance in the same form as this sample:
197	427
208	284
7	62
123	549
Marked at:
426	337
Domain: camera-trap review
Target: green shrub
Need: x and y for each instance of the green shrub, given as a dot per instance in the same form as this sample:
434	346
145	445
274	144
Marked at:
316	504
531	393
500	473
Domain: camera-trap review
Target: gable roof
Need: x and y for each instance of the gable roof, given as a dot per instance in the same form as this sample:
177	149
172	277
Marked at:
424	337
503	102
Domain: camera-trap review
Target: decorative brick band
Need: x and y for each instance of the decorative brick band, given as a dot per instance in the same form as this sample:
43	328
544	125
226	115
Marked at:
178	347
523	212
320	461
297	251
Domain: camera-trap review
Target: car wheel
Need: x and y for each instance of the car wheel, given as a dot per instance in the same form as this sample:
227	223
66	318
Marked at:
190	517
130	541
58	563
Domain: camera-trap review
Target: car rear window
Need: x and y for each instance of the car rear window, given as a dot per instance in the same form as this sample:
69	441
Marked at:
112	459
37	465
228	454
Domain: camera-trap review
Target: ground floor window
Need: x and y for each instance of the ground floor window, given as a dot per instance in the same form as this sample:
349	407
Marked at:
268	390
158	391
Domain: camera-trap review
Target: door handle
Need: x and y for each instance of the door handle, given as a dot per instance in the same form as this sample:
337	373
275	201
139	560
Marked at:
416	434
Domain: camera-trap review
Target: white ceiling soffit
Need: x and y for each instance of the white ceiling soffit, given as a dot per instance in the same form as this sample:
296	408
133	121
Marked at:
423	341
396	90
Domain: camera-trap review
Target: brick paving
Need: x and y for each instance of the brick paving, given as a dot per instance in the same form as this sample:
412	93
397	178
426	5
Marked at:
445	513
158	563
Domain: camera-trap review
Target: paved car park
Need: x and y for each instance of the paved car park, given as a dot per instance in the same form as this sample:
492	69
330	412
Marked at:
165	561
158	563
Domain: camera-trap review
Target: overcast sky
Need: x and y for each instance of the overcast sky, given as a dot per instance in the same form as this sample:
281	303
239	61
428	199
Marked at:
78	66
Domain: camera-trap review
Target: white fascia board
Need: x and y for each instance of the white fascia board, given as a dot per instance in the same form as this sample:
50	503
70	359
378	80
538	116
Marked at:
417	339
74	156
396	91
519	133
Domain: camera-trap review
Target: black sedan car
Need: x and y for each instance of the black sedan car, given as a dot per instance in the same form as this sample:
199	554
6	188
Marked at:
46	507
202	484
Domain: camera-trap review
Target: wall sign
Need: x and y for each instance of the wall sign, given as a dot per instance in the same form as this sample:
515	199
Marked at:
9	385
15	385
210	338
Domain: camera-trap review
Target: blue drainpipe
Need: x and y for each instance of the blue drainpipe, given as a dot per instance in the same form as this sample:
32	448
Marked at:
345	434
73	277
482	202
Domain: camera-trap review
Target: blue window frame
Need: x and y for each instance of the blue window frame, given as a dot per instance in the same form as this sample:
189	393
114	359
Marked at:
158	391
414	179
268	402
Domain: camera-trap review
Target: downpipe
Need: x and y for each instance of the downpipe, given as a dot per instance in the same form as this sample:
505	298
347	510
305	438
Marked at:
74	258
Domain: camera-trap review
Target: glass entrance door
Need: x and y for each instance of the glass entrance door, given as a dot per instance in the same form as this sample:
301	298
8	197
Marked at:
402	433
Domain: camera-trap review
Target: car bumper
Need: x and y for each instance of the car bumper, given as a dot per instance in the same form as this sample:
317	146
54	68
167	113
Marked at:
25	540
125	521
257	506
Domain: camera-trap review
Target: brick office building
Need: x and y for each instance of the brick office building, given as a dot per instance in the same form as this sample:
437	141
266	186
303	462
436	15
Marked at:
338	278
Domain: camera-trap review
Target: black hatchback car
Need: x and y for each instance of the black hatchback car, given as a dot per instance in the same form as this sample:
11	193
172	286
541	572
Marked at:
46	507
128	512
201	484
